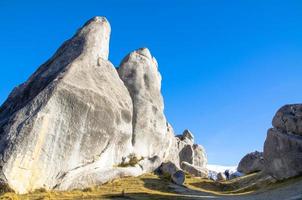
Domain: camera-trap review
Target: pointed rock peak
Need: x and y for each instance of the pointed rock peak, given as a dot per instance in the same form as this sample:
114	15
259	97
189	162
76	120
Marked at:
97	19
144	52
188	134
96	22
140	53
96	33
91	42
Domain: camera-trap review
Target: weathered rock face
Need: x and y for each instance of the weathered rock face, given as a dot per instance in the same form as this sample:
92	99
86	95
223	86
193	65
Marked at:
200	157
75	119
252	162
283	145
186	154
289	119
179	177
74	111
139	71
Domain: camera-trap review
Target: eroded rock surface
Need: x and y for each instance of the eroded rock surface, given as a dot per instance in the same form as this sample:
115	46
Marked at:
151	131
283	145
252	162
73	112
289	119
139	71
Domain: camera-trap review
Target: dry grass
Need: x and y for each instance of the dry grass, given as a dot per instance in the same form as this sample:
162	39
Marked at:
242	185
150	186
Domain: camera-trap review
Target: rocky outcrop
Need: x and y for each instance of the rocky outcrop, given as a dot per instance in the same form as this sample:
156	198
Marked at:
252	162
188	151
186	154
283	145
76	119
288	119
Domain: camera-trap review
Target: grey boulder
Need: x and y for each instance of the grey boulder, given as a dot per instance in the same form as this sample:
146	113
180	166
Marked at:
283	144
188	151
171	170
252	162
179	177
283	154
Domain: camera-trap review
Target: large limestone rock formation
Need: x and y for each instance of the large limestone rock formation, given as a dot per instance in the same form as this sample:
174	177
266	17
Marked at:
139	71
252	162
190	152
73	111
77	118
151	132
283	145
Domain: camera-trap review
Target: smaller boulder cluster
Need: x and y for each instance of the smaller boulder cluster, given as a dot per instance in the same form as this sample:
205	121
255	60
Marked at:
191	159
282	153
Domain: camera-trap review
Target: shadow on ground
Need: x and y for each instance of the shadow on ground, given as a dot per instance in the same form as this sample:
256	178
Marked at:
162	188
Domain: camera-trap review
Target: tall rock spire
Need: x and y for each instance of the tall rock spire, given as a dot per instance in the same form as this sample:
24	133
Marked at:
73	112
96	33
139	71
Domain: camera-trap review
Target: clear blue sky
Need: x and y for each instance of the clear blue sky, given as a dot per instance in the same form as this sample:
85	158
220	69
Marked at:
227	66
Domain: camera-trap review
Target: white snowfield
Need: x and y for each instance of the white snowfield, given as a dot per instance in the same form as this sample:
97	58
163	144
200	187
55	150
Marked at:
215	169
221	168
